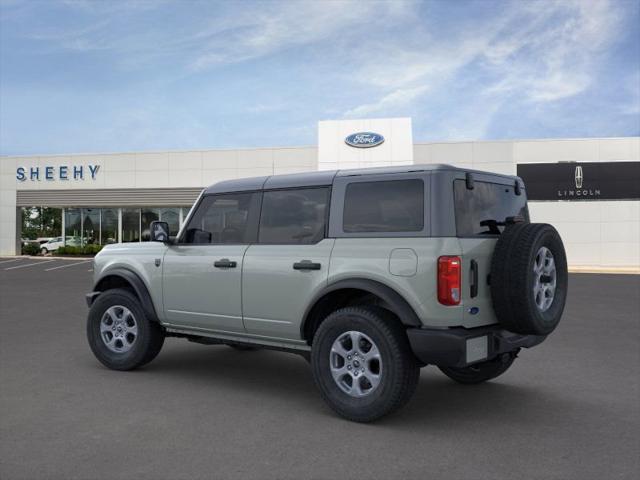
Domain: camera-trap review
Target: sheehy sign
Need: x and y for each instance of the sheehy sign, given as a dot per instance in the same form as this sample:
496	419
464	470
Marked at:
60	172
581	180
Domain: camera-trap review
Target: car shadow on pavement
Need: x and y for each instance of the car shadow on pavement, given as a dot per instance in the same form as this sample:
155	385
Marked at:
438	401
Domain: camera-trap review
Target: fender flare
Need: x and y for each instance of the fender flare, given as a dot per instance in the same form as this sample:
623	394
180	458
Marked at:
139	287
397	303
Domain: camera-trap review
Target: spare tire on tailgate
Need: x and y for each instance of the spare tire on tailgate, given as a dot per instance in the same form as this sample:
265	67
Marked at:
529	278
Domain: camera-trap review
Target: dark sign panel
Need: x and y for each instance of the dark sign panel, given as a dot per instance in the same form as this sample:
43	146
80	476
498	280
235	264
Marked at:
581	180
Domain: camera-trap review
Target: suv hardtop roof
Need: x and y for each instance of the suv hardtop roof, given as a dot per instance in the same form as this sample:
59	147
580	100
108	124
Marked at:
323	178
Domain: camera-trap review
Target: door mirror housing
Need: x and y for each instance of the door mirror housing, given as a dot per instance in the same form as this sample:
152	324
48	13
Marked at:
159	232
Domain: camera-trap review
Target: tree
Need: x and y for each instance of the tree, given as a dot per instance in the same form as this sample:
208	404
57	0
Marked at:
41	222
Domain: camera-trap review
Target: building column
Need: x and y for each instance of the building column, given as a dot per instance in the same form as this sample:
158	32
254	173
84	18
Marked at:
18	235
10	215
119	236
64	227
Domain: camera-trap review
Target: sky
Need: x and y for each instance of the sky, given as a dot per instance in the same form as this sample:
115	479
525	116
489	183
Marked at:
87	76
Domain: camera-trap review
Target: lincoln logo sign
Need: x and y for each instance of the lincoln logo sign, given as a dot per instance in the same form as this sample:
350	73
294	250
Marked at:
60	172
579	177
581	181
364	140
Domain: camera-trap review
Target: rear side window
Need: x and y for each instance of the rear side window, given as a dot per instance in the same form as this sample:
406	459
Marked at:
295	216
475	209
384	206
224	219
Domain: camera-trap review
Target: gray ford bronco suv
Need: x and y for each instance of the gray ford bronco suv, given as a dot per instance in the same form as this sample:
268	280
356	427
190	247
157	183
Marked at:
370	274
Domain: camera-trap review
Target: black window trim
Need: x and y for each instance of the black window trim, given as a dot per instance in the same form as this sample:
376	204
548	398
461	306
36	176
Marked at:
325	233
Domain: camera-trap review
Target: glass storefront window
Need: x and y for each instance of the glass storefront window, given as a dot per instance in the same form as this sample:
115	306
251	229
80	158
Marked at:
109	226
86	226
172	217
148	215
72	226
90	226
130	224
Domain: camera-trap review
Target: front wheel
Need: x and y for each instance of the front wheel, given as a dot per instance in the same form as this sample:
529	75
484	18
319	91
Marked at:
363	364
44	251
120	334
480	372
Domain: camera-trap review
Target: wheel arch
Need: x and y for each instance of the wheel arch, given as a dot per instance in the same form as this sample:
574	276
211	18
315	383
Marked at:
344	292
125	278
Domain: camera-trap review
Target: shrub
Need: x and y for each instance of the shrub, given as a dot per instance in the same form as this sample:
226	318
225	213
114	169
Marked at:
85	250
31	249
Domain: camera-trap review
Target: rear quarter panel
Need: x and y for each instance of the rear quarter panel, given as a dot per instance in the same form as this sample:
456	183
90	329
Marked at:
370	258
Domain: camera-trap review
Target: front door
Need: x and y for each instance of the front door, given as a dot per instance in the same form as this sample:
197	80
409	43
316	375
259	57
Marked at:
202	272
289	264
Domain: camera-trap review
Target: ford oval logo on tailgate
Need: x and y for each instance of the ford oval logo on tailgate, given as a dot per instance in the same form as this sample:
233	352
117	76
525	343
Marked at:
364	139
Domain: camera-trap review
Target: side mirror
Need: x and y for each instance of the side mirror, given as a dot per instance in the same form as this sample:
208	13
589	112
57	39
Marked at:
159	232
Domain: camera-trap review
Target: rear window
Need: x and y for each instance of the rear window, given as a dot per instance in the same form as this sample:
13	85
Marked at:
486	202
385	206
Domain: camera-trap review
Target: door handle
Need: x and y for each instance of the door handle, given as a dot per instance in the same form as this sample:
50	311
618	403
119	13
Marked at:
474	279
306	265
224	263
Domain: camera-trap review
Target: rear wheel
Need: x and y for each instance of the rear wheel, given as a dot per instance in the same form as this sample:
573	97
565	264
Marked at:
44	251
480	372
362	363
120	334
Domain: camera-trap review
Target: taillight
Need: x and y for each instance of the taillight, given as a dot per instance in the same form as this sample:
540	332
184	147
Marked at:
449	279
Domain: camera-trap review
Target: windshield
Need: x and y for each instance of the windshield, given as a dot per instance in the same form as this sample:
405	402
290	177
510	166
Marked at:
481	211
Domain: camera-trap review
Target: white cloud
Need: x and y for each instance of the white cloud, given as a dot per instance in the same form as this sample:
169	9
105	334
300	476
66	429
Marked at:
539	52
398	98
279	26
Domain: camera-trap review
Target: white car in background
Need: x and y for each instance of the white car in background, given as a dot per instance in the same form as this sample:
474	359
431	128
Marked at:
56	242
52	245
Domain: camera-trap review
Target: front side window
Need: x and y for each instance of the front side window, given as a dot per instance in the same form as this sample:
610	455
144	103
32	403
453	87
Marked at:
224	219
479	210
294	216
384	206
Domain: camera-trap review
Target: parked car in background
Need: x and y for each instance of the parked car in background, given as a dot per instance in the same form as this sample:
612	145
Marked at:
56	242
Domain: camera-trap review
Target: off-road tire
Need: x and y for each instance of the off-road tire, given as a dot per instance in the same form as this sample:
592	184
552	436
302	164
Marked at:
480	372
513	278
399	374
149	340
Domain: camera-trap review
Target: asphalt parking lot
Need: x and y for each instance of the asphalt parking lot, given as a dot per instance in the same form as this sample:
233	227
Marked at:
566	409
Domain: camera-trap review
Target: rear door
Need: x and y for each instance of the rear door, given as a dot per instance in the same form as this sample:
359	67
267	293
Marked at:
491	199
290	262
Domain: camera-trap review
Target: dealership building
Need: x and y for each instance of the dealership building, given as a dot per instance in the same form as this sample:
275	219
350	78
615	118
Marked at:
588	188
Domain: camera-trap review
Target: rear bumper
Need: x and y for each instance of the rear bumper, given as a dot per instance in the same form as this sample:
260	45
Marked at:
459	347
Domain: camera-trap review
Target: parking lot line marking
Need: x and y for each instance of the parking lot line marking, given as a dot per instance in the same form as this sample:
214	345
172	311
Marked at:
30	264
9	261
65	266
90	270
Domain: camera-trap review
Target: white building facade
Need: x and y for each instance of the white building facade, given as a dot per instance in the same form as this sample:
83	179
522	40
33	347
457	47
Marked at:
587	188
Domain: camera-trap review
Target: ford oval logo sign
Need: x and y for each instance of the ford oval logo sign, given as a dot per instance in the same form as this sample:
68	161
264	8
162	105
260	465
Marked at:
364	139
